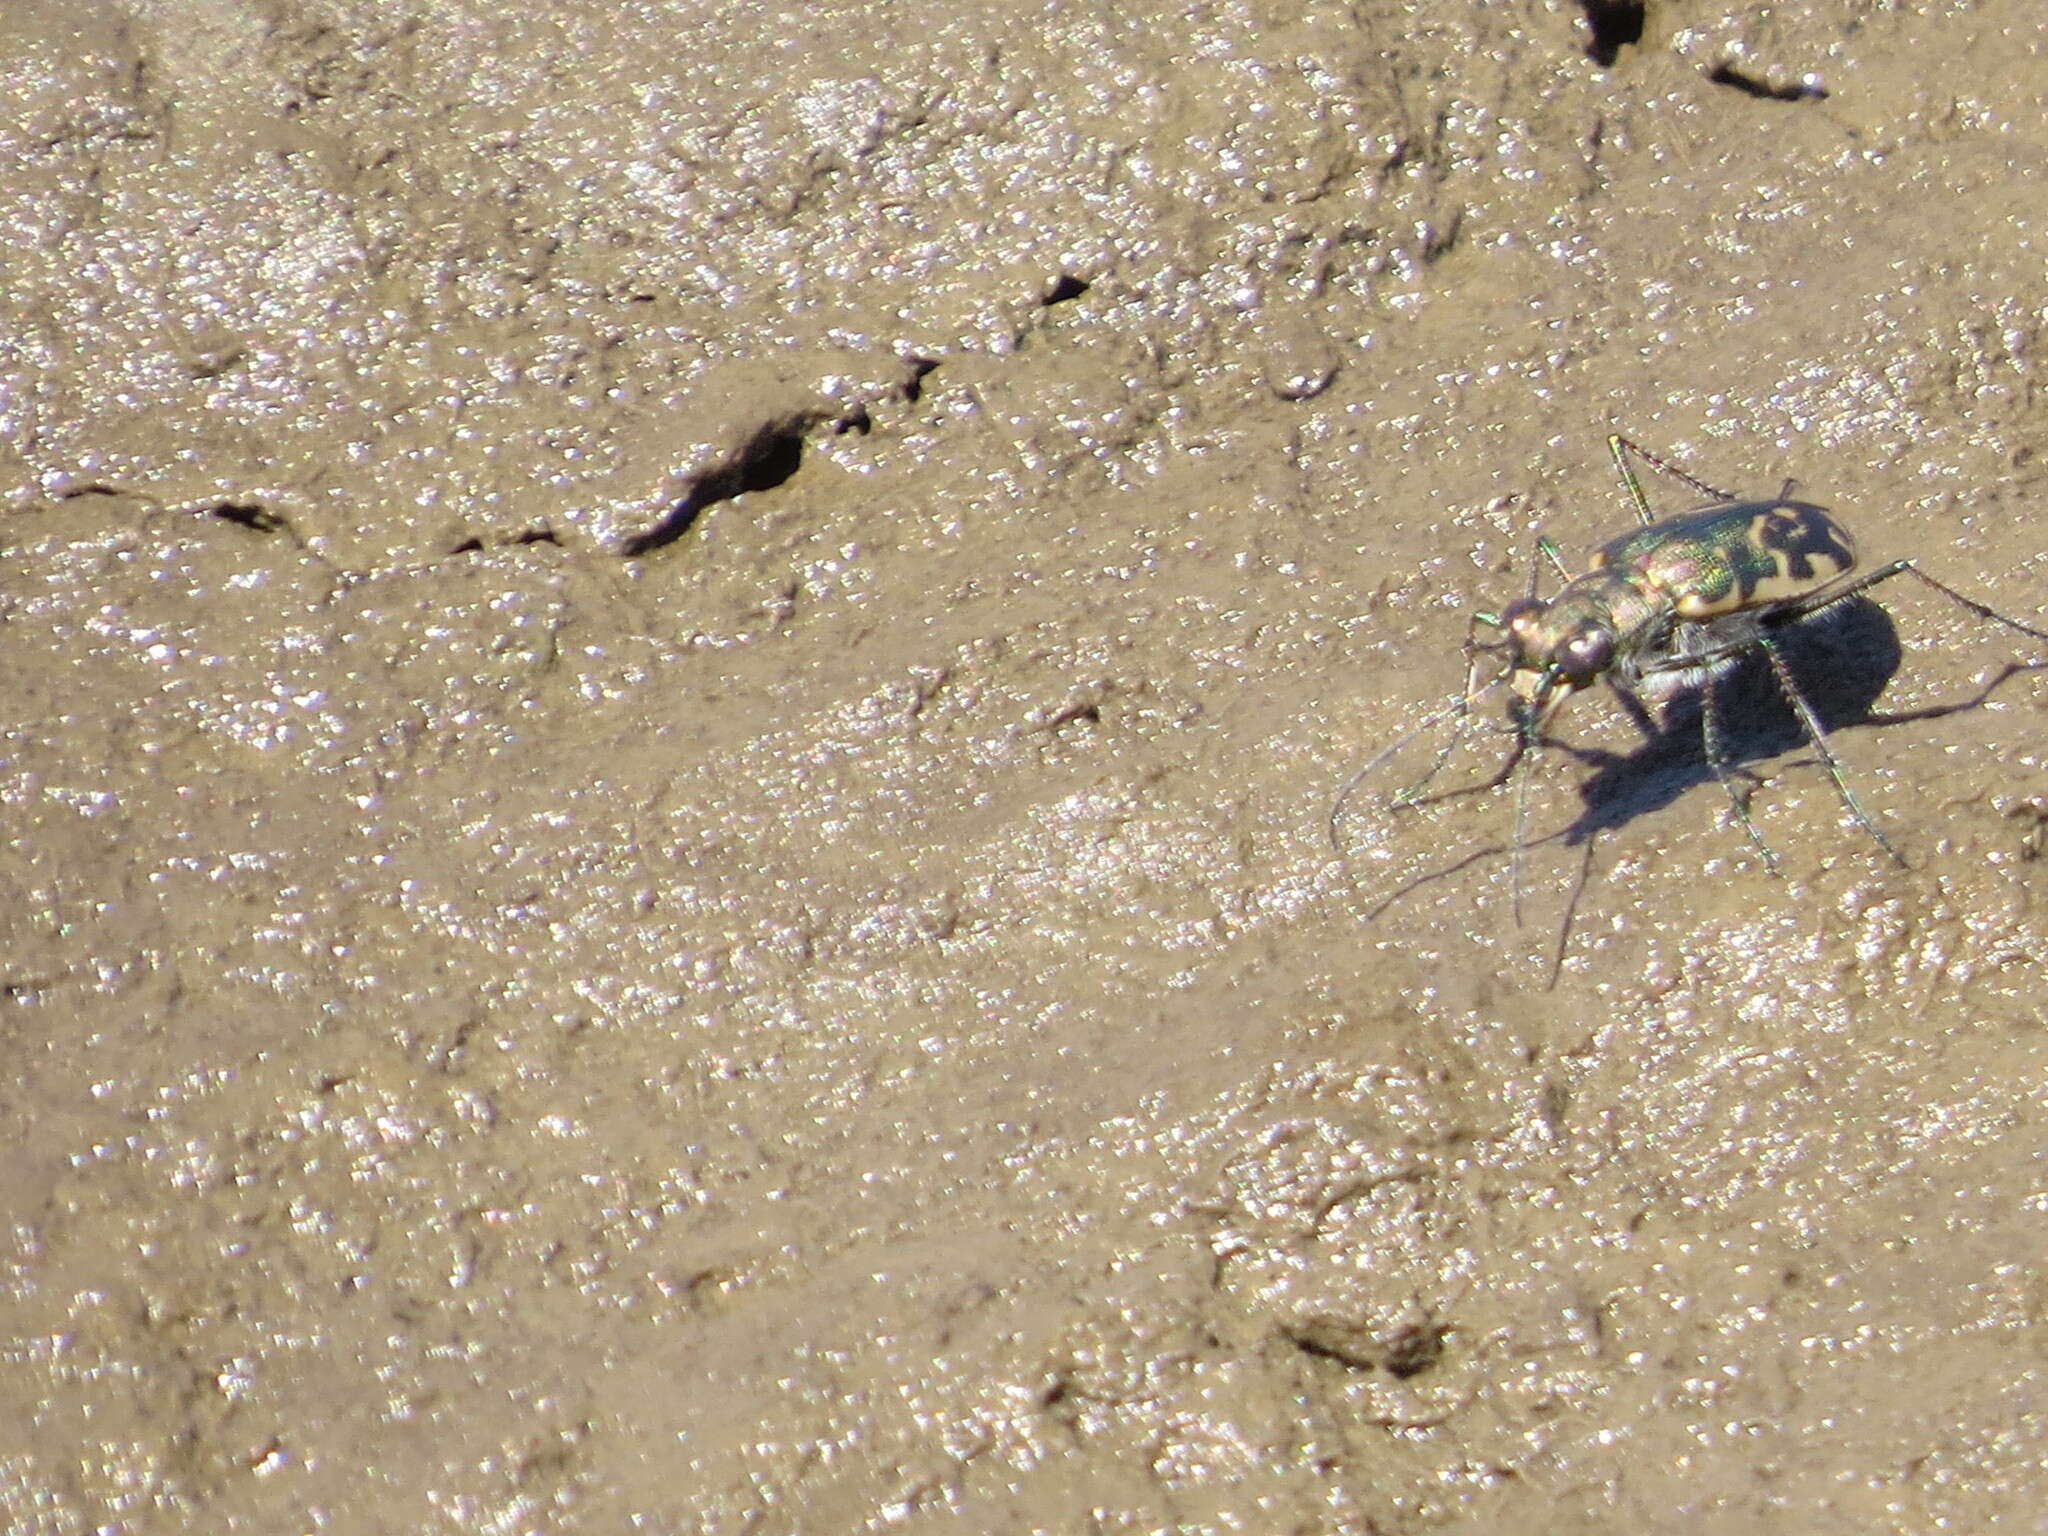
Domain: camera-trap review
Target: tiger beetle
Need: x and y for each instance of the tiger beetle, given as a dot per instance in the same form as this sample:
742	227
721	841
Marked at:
1671	605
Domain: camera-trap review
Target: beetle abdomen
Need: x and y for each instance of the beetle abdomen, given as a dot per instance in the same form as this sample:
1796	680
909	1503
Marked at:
1725	559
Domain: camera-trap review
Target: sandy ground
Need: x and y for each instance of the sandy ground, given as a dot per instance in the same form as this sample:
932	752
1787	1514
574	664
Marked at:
673	686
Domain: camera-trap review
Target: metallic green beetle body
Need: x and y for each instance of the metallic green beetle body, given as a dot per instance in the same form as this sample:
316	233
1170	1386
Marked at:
1722	559
1730	556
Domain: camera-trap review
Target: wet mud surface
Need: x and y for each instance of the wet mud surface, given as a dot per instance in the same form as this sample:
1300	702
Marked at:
674	686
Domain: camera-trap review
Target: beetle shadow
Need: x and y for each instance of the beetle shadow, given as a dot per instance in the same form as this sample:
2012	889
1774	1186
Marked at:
1842	661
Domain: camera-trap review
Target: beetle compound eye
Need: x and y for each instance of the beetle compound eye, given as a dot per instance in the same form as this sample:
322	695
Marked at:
1522	620
1587	654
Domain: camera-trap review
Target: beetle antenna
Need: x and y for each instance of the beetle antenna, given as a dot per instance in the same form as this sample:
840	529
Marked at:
1459	707
1620	447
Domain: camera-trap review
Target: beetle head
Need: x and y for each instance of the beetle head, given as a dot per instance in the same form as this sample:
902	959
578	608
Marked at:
1557	651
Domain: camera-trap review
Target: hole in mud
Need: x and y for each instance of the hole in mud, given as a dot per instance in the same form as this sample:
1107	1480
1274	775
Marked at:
1408	1352
1615	25
920	369
1414	1350
1807	89
248	515
523	536
1316	1349
1065	287
1085	712
771	456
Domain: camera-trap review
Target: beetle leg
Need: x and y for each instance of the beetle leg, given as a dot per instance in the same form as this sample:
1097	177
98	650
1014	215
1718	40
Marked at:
1717	759
1817	735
